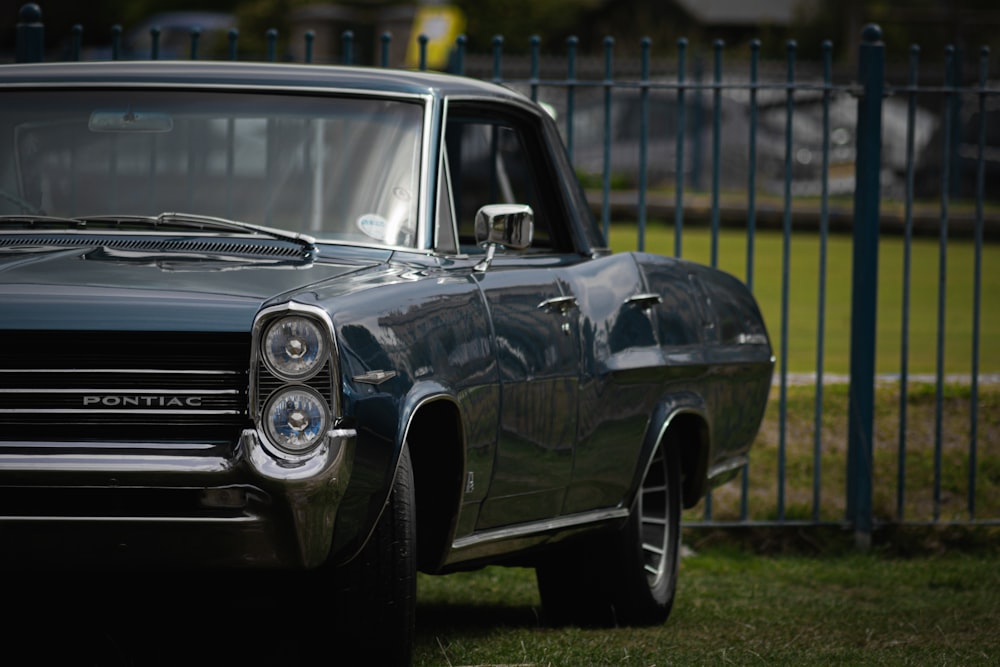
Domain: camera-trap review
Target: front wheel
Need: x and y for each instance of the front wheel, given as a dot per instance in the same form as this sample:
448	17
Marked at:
631	578
378	588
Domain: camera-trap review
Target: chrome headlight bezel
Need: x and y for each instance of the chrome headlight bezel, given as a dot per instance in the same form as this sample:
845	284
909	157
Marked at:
302	404
293	347
269	380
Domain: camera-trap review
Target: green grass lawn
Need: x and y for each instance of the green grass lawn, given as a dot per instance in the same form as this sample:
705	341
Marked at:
803	295
736	607
920	502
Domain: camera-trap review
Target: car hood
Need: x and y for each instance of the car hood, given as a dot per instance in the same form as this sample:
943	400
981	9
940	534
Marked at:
101	289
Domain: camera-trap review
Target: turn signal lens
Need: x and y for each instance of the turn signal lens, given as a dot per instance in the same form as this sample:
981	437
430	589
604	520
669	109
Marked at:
294	347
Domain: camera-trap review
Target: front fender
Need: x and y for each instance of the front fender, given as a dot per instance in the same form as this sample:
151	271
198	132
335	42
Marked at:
384	423
375	459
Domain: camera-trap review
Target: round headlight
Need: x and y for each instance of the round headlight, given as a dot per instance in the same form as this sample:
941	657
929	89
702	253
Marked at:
294	347
296	419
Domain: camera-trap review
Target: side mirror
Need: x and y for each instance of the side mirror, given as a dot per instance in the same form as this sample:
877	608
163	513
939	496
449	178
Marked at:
507	225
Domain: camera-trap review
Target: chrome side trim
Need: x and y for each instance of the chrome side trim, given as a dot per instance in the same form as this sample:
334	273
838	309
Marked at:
728	466
131	519
130	392
539	527
99	411
129	371
112	463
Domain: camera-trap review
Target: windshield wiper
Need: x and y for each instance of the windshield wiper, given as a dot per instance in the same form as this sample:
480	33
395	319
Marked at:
165	221
42	221
207	222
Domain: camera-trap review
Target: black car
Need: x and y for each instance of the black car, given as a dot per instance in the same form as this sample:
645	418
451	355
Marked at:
351	323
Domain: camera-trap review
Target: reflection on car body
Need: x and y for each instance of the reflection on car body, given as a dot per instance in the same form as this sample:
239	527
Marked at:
346	323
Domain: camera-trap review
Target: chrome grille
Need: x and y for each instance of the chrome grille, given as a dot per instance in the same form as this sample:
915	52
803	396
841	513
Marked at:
123	386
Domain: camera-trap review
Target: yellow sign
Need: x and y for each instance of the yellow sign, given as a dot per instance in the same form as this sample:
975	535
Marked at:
441	24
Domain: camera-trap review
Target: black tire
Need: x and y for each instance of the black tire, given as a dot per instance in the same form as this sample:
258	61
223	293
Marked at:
379	588
631	578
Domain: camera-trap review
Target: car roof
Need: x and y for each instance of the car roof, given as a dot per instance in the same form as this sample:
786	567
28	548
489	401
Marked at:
253	74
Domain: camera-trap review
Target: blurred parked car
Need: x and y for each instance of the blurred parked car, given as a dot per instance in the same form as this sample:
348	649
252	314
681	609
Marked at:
734	140
962	153
345	323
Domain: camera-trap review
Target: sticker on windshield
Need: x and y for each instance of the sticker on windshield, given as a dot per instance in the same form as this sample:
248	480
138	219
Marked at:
373	225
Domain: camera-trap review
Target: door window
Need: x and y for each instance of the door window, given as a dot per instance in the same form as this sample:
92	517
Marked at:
496	162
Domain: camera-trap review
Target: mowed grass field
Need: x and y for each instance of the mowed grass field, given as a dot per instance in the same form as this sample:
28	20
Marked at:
737	607
803	294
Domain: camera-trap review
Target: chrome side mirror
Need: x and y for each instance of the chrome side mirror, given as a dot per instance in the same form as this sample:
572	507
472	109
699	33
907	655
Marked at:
507	225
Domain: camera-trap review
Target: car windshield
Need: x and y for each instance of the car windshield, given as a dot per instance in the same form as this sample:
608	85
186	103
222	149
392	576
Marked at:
337	168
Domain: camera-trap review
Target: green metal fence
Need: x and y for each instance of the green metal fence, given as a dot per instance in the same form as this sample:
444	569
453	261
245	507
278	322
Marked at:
847	145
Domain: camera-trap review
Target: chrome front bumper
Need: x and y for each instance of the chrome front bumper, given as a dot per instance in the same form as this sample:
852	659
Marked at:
74	503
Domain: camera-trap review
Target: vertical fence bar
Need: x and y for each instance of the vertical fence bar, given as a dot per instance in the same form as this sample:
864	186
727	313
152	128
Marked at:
643	139
151	181
310	39
384	55
113	172
609	44
230	166
77	42
696	169
679	150
950	105
30	38
864	281
751	225
460	42
824	226
272	45
571	44
984	58
697	122
497	58
154	43
786	258
116	42
536	43
74	168
347	46
752	160
422	41
904	346
233	36
195	38
716	150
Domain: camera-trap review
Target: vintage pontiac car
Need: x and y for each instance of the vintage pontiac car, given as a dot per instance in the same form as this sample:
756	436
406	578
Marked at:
350	324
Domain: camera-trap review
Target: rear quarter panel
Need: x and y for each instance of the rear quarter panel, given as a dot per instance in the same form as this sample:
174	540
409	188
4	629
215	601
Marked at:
710	324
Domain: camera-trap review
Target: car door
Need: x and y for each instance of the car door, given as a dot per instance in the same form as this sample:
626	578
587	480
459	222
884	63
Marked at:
534	319
621	369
